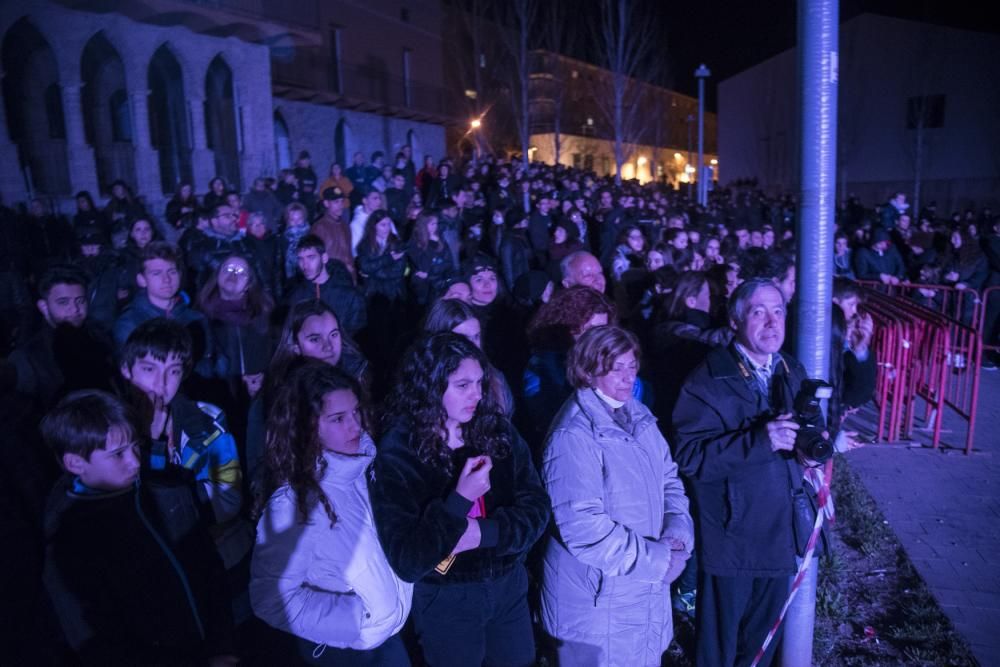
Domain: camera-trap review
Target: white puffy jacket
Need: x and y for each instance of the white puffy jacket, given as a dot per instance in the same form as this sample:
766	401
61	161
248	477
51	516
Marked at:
332	586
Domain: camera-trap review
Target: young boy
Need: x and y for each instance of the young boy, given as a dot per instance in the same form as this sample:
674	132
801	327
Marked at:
187	434
131	574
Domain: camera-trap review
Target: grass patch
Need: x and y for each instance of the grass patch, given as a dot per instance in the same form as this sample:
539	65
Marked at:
867	581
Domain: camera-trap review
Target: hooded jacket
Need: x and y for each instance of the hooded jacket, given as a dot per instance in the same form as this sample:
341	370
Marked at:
616	499
328	584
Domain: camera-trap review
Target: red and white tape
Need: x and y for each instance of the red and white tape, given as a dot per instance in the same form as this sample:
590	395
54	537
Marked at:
825	511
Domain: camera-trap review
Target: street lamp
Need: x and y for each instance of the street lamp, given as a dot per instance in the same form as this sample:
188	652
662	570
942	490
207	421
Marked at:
474	125
701	74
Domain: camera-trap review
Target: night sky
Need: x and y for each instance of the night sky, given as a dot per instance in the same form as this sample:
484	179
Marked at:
730	36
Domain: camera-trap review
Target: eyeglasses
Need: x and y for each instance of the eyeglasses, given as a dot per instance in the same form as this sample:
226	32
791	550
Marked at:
234	269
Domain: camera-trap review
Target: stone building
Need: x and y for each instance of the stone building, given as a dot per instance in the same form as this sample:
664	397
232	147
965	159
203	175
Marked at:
160	92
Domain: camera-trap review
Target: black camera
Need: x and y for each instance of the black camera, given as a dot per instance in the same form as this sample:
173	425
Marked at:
810	440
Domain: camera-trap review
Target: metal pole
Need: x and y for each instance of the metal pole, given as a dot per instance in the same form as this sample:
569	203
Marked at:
701	74
818	74
690	119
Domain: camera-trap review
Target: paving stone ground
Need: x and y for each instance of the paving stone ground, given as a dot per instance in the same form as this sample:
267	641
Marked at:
944	507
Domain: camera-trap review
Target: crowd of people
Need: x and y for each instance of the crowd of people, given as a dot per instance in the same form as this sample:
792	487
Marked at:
462	414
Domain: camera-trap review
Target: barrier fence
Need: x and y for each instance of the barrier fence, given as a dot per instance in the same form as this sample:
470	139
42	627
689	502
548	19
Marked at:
929	344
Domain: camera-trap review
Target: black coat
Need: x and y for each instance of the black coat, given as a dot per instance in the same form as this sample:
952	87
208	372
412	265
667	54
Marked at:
515	258
435	260
339	293
135	578
742	489
420	517
381	273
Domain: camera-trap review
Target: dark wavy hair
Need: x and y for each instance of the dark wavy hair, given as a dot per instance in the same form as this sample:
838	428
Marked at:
558	322
422	380
293	453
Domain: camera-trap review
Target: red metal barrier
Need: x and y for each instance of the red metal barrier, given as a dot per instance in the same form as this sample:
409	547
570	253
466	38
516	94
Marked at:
923	353
959	304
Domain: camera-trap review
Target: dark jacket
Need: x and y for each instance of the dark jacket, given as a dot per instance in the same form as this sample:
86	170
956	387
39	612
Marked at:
382	274
270	263
515	257
208	249
538	236
56	361
420	517
868	264
435	260
677	347
741	488
140	310
339	293
134	578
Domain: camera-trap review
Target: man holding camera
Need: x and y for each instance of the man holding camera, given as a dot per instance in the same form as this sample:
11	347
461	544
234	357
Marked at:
734	433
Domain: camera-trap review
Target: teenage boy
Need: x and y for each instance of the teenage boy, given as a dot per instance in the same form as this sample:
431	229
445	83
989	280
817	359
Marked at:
160	283
67	352
330	282
132	575
185	433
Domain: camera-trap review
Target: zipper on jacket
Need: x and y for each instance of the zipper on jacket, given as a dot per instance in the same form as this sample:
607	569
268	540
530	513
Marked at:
173	561
600	586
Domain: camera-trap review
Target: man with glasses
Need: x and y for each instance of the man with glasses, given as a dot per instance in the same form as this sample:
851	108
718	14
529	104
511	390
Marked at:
219	240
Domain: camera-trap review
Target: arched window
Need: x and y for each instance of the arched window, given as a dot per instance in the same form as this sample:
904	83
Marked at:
54	112
121	118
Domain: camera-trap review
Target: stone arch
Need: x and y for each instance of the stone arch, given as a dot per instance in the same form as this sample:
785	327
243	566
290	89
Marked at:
107	117
282	143
221	121
33	104
168	124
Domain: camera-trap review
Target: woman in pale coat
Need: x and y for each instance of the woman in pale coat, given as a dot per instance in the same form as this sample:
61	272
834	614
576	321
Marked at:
622	528
318	573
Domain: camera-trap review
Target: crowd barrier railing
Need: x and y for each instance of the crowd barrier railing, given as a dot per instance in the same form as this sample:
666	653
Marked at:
923	353
989	342
963	305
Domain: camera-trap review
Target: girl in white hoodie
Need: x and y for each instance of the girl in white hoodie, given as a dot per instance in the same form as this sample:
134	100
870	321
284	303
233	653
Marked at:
318	571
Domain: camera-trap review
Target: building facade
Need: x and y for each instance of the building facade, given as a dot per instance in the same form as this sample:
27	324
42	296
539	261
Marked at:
918	109
169	91
572	99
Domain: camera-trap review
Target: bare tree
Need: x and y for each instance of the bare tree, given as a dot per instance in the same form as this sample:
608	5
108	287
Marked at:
559	38
517	18
627	39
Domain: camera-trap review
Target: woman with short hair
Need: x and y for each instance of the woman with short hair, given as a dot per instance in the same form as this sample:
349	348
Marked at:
622	528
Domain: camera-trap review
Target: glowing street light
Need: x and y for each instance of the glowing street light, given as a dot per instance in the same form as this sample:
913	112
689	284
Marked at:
476	123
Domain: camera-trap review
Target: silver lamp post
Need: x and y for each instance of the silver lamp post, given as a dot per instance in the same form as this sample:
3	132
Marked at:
701	74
